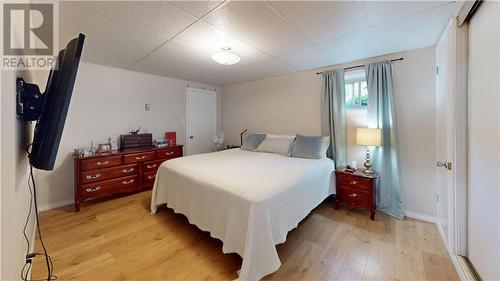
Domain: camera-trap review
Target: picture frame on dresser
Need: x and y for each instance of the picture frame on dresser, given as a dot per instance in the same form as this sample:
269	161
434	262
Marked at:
116	172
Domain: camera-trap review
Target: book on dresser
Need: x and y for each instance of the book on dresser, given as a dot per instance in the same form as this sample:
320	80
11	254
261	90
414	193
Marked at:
118	172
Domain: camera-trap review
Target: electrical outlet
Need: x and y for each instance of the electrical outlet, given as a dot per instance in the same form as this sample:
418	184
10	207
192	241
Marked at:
147	107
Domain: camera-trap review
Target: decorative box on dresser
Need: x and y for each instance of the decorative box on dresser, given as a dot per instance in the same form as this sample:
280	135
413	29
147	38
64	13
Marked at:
106	174
356	189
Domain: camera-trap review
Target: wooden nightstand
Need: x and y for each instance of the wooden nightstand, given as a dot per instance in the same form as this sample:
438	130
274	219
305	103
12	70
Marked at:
356	189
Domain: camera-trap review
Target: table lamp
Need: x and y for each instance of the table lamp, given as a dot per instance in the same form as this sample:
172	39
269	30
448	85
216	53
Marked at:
368	137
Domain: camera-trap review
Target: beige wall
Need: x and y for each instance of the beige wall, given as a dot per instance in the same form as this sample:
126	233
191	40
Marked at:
107	102
286	104
14	198
416	116
291	104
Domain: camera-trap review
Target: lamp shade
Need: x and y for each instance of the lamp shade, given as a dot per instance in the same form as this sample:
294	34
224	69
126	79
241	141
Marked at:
368	136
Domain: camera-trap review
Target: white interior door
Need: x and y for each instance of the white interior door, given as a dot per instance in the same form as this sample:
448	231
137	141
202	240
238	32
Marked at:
484	141
445	133
200	121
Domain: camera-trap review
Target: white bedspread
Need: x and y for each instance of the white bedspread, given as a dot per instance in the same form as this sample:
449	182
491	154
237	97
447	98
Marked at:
249	200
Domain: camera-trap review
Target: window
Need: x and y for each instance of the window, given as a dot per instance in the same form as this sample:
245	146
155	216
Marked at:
356	90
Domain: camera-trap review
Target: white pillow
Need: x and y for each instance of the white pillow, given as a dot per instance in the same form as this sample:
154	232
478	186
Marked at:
280	146
324	146
271	136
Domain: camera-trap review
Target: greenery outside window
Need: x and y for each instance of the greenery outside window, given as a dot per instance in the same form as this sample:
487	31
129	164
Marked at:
356	90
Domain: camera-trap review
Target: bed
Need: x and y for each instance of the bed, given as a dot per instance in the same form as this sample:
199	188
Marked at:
248	200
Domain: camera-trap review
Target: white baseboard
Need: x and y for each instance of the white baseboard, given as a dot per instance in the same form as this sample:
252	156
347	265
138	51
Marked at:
420	216
54	205
463	270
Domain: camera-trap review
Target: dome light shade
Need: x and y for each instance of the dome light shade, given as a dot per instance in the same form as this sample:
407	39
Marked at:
226	57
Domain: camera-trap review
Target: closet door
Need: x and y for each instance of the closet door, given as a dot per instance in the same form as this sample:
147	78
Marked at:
200	121
445	124
484	141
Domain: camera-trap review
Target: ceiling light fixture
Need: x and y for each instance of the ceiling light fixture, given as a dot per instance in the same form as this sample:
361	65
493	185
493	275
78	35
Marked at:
225	56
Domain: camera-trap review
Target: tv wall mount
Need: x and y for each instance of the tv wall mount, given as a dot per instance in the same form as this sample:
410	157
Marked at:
29	100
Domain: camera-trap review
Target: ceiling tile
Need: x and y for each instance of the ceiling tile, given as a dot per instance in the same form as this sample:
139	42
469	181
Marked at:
237	75
349	48
378	12
272	67
420	30
204	80
257	24
192	54
77	19
197	44
166	67
158	17
322	20
196	8
109	54
101	52
308	58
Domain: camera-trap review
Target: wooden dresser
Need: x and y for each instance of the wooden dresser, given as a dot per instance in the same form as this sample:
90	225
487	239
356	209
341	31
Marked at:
116	172
356	189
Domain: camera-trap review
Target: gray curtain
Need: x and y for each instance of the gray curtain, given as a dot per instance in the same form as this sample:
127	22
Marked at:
333	115
381	114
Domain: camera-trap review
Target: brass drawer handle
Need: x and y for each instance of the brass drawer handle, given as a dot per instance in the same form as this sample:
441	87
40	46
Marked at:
353	182
151	177
90	177
140	157
128	182
128	170
169	153
353	195
102	163
151	166
93	189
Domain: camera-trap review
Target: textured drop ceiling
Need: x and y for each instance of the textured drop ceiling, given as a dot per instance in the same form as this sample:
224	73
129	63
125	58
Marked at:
177	39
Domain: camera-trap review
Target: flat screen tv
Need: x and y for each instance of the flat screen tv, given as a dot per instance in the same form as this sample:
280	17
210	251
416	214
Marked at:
57	96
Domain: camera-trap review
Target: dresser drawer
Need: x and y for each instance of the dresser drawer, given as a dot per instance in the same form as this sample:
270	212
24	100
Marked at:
354	182
151	166
101	188
109	173
355	198
98	163
149	178
138	157
169	153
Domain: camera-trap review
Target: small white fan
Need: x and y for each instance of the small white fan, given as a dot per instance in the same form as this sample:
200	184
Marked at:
218	140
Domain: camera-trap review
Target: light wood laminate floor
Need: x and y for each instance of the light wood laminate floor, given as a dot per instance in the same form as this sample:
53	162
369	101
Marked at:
120	240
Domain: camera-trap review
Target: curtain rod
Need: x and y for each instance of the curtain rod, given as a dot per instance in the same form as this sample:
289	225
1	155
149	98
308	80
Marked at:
358	66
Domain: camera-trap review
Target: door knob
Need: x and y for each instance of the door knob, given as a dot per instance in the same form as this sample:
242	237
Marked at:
446	165
191	137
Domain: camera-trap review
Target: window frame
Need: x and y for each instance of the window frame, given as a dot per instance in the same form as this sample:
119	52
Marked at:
353	81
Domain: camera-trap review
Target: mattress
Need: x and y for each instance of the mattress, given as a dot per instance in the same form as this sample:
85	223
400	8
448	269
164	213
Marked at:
248	200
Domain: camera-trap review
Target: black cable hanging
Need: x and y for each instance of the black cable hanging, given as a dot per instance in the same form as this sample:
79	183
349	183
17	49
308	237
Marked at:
25	271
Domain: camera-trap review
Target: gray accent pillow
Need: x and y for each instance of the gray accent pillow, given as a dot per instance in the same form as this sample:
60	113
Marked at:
253	141
308	147
280	146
